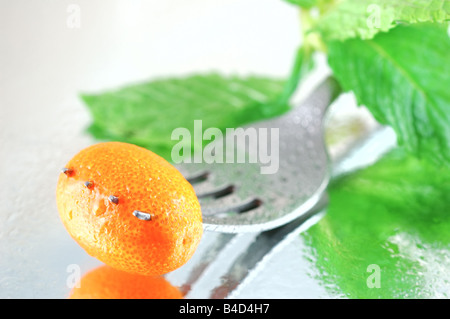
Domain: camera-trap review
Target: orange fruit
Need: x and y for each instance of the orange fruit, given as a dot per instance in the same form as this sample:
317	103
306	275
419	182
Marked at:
129	208
106	282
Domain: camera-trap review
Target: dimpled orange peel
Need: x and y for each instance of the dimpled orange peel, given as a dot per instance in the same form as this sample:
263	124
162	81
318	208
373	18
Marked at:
106	282
129	208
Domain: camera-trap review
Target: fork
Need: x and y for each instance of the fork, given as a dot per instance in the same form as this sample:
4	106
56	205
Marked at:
273	230
238	197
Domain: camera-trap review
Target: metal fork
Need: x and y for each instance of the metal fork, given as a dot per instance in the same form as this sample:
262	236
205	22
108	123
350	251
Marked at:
240	197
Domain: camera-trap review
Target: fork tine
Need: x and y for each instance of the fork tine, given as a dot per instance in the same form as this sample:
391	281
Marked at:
197	177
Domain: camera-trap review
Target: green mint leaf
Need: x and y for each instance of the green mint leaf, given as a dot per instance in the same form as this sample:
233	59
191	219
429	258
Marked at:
392	215
365	18
402	77
146	113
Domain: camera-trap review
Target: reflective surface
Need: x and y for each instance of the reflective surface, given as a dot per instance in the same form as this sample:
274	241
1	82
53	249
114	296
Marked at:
46	61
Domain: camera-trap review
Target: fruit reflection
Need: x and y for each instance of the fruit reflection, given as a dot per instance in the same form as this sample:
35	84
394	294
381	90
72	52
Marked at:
106	282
